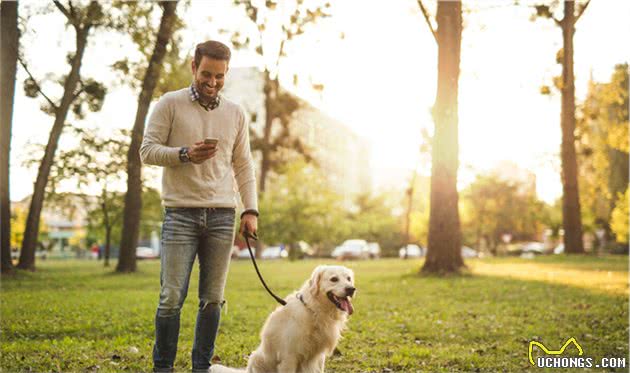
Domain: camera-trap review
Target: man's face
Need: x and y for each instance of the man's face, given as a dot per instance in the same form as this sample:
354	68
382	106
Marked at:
209	76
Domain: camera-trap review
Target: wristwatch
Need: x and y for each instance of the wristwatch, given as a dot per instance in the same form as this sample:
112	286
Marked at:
184	157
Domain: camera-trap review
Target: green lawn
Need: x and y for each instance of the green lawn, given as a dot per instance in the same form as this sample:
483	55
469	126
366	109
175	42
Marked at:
76	316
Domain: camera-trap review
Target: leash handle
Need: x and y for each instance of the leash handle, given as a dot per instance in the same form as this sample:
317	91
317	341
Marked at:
247	236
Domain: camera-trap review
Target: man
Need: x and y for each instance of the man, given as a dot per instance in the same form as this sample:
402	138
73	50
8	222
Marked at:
199	196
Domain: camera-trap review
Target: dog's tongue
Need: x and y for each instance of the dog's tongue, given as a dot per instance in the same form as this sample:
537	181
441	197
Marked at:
346	305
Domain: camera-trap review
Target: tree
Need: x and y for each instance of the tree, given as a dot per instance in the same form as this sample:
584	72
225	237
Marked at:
299	208
10	40
444	241
619	219
602	147
571	214
372	219
133	197
281	26
76	93
97	162
493	206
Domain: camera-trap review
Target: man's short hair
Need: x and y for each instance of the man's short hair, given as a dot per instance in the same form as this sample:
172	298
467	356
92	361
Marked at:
212	49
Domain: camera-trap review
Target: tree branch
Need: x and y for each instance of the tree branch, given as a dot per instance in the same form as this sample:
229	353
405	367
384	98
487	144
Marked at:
39	88
557	21
69	14
76	95
63	10
280	52
428	19
577	17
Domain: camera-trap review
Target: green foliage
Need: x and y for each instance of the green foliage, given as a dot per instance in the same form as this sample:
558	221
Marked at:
492	207
99	163
602	146
151	216
300	205
30	87
140	20
18	225
75	316
91	94
619	218
373	221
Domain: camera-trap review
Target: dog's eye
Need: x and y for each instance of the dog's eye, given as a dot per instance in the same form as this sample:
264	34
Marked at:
334	279
349	279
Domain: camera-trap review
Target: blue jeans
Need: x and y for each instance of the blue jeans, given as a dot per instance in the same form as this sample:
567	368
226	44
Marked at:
187	233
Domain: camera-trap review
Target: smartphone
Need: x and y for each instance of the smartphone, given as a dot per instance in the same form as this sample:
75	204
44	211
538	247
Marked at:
211	141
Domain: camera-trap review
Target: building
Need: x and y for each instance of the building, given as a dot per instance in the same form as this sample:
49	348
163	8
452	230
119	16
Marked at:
341	154
65	227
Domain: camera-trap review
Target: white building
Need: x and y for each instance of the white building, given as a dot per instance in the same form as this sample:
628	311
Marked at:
341	154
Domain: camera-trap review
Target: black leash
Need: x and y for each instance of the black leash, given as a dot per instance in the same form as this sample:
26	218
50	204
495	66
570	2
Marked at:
247	236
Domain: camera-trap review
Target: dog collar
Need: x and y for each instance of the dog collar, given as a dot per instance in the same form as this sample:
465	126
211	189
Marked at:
299	296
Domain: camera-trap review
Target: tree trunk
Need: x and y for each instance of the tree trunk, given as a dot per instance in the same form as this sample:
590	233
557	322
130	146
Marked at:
412	184
108	228
571	215
108	240
133	197
444	246
265	159
10	40
31	233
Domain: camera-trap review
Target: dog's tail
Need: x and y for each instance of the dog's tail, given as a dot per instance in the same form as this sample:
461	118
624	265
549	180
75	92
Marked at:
224	369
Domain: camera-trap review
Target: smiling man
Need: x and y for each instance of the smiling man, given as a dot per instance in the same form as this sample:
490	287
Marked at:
201	139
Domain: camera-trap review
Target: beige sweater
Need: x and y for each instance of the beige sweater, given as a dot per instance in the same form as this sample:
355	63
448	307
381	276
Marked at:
177	121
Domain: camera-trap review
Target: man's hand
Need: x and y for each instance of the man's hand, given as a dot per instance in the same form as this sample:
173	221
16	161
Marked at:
201	152
249	222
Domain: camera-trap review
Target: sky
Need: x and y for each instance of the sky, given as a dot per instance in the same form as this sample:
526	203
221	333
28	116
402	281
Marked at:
379	79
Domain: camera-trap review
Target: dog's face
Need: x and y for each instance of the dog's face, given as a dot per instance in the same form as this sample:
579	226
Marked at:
336	283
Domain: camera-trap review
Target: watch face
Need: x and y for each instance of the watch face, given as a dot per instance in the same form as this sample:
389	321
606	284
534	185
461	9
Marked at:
183	155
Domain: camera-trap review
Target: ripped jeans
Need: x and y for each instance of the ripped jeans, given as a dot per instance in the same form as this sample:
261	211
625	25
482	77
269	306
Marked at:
187	233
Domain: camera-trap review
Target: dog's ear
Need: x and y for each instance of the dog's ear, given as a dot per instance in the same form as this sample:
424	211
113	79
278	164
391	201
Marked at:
313	282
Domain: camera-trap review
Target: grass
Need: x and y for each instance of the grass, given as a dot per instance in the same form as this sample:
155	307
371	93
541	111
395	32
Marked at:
76	316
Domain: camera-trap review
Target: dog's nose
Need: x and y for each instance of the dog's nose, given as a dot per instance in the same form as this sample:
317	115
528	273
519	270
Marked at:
350	291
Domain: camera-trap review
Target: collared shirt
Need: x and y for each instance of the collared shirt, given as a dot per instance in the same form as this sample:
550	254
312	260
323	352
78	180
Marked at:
194	96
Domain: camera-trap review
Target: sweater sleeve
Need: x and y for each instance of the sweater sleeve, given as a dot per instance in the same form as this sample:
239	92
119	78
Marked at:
153	150
243	165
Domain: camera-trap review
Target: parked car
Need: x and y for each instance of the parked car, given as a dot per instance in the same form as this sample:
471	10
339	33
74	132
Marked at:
559	249
468	252
351	249
532	247
274	252
244	253
143	252
374	250
411	251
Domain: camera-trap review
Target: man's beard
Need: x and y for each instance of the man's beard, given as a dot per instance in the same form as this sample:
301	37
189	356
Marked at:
201	91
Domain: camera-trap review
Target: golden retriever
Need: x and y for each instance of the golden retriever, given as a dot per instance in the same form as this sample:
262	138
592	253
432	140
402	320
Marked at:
296	338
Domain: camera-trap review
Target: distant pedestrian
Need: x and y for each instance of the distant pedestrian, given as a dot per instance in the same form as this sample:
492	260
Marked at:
95	252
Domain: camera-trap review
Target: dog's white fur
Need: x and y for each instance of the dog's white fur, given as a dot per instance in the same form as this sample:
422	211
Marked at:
298	337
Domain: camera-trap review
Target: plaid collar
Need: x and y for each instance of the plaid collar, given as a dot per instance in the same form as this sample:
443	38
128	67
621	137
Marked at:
194	96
